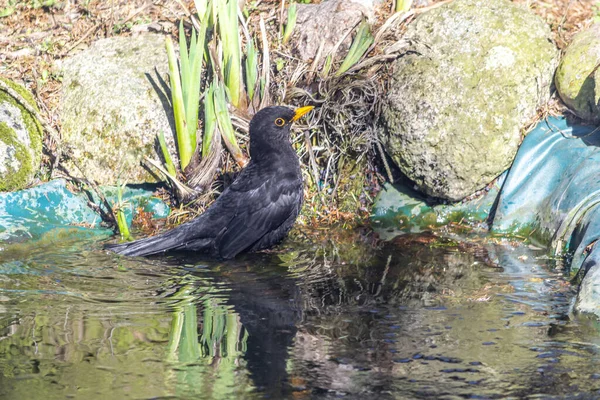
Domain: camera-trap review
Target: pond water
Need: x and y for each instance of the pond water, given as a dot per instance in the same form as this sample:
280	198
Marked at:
348	317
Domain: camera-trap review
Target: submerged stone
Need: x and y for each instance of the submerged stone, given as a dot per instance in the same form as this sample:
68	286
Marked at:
114	105
453	114
20	140
578	76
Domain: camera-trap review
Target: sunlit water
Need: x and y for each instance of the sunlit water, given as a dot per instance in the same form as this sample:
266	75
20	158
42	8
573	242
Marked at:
413	318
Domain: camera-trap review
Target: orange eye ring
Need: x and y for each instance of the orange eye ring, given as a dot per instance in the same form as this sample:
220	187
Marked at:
280	122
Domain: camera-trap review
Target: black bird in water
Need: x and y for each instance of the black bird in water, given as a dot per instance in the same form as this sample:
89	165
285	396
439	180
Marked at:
256	211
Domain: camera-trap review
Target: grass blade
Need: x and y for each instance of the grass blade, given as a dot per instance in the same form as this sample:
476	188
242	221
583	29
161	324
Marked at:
193	100
201	7
360	45
251	68
167	156
184	62
121	219
230	37
291	22
210	120
403	5
183	140
225	126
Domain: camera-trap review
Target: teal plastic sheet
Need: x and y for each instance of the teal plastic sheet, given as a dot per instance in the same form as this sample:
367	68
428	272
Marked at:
51	208
399	208
551	194
552	190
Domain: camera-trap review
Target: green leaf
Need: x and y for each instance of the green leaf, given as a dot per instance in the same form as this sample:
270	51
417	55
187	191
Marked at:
251	68
184	62
167	156
183	139
210	120
230	38
403	5
360	45
225	126
291	22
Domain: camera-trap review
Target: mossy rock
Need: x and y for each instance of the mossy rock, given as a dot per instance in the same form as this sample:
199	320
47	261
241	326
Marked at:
578	75
20	140
456	104
114	103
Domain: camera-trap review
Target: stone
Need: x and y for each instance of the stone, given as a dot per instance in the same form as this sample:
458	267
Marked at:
20	140
578	76
329	21
113	106
455	106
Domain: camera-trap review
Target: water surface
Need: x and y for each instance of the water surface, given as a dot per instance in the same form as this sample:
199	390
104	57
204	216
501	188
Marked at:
345	318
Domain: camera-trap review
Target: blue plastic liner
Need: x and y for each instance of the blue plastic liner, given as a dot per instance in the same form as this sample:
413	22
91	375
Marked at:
30	214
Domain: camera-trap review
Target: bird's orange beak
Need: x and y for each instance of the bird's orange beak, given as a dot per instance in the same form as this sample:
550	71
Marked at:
299	112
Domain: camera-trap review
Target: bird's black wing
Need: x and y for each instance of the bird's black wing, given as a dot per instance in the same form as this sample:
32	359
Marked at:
262	206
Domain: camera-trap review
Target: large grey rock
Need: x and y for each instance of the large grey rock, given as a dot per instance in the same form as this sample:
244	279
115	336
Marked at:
20	140
328	22
578	75
453	114
111	109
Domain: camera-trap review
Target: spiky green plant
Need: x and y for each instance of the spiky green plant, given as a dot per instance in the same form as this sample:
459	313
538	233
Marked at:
291	22
229	34
251	68
225	126
120	213
185	90
166	154
361	43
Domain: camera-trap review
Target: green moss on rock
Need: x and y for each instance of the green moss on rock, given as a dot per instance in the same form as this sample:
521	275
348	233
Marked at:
20	140
578	76
453	114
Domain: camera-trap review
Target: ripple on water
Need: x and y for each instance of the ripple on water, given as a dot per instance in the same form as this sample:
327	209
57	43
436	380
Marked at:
467	319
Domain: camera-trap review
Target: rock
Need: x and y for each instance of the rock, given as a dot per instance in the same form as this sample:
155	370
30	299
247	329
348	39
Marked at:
20	140
111	111
453	114
329	21
578	76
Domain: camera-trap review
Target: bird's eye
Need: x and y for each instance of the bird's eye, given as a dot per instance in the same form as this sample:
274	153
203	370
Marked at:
280	122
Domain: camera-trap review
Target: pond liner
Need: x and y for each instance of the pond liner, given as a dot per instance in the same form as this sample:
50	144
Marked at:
51	209
550	195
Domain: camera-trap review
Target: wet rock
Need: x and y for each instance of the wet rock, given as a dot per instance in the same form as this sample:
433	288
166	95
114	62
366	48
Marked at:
20	140
578	76
455	107
114	105
328	22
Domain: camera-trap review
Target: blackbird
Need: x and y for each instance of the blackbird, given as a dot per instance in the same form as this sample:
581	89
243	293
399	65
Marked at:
256	211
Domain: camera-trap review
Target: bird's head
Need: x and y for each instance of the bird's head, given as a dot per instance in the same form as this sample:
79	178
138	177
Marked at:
272	123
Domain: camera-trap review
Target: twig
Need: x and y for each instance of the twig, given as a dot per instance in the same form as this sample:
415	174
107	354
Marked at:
388	171
81	39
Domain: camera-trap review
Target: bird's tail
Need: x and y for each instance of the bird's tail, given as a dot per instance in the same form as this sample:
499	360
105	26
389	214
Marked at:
170	240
